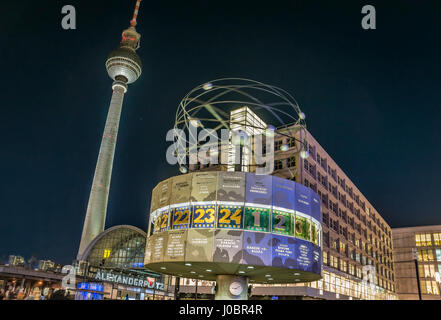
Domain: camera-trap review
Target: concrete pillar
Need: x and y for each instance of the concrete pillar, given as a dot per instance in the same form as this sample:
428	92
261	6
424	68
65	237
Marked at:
231	287
99	194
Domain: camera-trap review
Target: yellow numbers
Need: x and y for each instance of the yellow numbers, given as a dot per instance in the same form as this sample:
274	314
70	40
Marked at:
210	216
237	216
181	217
225	217
201	214
204	216
157	225
164	219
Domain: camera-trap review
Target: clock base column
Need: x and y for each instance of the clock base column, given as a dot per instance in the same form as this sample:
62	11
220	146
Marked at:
231	287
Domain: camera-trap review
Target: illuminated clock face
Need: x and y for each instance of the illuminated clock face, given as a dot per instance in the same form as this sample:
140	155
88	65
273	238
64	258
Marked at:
236	288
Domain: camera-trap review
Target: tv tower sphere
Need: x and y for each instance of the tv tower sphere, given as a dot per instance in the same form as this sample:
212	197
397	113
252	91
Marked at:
124	64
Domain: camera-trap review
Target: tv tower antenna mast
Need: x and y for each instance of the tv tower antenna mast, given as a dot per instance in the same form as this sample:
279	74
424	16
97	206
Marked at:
124	67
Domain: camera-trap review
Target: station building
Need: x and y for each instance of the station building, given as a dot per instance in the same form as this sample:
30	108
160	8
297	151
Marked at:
112	267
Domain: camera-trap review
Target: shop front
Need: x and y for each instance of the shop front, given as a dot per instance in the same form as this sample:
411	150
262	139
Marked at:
123	285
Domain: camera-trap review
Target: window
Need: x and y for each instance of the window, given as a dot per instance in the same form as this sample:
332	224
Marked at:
351	269
342	247
278	164
326	238
423	239
307	183
326	219
291	162
438	255
333	261
311	150
429	287
335	244
277	145
306	165
325	257
334	207
425	255
437	239
427	270
344	266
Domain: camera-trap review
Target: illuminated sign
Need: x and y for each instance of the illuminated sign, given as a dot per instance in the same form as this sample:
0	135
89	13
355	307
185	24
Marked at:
148	282
90	286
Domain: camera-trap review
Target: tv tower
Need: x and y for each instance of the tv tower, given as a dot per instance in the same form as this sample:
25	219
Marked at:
124	67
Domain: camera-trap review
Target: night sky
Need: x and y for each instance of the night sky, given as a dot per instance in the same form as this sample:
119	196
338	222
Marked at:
372	100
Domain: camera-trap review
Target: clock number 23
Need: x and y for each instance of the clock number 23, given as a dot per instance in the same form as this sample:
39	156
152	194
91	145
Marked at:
204	216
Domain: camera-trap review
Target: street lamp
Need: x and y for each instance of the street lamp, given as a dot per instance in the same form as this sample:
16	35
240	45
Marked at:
415	256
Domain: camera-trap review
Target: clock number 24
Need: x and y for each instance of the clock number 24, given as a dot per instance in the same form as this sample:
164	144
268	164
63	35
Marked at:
227	216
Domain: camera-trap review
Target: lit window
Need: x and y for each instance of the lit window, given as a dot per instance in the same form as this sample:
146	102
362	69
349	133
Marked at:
429	287
423	239
437	239
427	271
425	255
325	257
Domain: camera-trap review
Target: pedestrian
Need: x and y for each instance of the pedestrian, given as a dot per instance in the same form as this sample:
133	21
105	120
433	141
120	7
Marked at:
2	294
7	295
42	297
20	294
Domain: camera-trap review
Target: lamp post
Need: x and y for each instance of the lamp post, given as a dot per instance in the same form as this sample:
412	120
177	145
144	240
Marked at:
415	255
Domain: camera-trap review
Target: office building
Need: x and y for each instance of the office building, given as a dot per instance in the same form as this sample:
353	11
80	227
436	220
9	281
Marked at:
424	245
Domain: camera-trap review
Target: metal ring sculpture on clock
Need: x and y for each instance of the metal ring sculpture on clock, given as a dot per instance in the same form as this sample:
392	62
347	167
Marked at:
208	105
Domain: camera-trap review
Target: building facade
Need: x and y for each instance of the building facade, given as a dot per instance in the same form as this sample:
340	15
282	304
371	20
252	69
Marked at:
357	241
424	245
